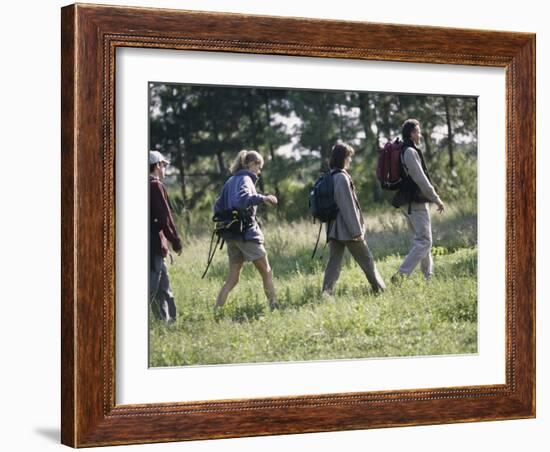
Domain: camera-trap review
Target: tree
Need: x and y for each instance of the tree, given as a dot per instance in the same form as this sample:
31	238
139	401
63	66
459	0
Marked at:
324	121
447	101
201	129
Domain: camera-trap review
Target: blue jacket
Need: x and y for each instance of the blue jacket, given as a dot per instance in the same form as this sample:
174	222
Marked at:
239	192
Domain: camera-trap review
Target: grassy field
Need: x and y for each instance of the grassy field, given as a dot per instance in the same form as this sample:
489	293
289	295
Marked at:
411	319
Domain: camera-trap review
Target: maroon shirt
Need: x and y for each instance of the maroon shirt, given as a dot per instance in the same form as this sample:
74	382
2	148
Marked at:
163	229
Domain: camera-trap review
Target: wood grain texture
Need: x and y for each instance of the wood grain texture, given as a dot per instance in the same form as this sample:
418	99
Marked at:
90	36
68	311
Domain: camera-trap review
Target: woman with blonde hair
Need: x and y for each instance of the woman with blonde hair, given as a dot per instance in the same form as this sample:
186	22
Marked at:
239	194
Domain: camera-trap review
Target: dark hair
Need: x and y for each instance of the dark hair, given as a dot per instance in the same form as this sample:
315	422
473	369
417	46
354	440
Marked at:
152	167
339	154
408	127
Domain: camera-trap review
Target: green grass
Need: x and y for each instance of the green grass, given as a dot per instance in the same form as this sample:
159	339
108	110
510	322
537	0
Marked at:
411	319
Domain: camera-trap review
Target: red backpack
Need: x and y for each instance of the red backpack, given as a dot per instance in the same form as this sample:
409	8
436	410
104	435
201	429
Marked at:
388	170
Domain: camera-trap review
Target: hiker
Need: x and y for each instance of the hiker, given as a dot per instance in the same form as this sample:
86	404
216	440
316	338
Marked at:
414	196
162	231
347	230
239	193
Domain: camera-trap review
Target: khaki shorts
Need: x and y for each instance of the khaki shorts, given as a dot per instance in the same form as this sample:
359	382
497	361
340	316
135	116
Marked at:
239	251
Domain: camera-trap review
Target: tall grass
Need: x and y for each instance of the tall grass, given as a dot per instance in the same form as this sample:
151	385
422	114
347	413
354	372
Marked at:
410	319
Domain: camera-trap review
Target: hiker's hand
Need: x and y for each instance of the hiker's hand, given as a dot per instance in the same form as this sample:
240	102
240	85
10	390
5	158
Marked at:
270	199
177	248
440	207
358	238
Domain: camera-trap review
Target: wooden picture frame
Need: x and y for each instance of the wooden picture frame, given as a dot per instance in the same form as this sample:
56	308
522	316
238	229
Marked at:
90	36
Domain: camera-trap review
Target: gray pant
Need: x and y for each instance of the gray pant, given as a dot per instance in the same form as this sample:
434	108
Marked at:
160	293
420	252
362	255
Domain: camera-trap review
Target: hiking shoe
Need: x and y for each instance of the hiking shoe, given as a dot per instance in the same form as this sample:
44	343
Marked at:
397	278
218	313
273	306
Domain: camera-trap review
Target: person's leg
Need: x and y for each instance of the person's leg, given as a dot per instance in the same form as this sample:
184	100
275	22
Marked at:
334	265
154	284
266	272
230	282
419	223
165	295
427	263
363	256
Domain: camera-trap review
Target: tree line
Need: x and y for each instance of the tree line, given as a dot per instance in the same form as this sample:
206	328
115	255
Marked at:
201	129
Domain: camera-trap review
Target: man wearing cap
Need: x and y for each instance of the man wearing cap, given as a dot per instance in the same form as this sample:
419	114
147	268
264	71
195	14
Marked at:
162	231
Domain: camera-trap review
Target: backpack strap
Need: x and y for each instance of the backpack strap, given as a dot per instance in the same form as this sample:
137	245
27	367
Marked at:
404	148
423	162
317	242
402	158
355	198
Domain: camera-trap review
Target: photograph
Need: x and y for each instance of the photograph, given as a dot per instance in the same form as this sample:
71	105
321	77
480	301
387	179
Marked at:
275	225
292	225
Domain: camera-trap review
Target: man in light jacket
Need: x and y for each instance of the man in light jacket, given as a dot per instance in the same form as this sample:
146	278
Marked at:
414	197
347	230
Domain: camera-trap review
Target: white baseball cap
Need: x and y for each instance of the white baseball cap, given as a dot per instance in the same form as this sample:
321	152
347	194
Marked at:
157	157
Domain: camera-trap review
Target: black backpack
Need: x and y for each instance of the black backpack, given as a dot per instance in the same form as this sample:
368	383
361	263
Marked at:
321	198
321	202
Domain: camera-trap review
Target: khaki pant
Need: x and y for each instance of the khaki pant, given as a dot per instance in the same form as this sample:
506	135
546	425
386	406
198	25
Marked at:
362	255
420	252
244	251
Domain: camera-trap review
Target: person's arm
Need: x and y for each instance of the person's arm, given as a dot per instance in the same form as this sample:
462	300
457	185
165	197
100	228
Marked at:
343	197
414	169
160	211
247	194
219	203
